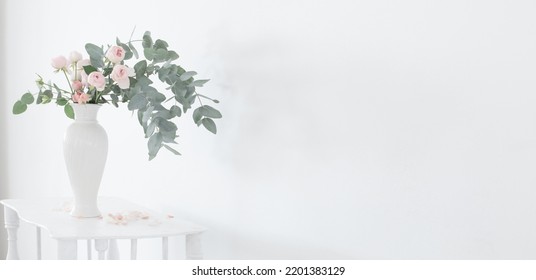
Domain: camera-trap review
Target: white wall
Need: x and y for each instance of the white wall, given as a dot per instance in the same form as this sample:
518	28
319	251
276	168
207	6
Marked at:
352	129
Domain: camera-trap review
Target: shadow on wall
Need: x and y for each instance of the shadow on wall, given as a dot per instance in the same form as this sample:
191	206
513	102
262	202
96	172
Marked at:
3	140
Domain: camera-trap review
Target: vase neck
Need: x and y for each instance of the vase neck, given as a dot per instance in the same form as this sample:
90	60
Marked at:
86	112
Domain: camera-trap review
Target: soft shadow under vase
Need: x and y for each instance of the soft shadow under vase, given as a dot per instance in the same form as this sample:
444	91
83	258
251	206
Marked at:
85	148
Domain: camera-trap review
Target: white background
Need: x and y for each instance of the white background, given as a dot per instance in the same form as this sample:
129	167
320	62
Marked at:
351	130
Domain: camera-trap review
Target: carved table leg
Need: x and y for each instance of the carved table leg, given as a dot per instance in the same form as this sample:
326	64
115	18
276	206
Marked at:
165	247
133	248
38	237
89	248
12	225
193	247
67	249
101	245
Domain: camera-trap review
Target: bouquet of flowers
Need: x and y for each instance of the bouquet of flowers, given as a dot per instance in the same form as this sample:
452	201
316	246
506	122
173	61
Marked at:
107	78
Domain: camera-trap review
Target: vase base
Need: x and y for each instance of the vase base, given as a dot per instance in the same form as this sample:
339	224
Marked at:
86	217
86	213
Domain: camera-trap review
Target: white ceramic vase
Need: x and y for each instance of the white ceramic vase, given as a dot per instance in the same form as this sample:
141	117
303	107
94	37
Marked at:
85	148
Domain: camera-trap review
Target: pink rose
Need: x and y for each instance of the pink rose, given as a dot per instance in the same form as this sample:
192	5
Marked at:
115	54
77	85
97	80
59	62
120	75
75	56
81	97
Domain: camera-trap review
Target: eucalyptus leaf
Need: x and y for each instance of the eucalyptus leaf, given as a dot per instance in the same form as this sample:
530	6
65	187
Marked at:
138	101
96	55
160	44
199	83
150	129
115	99
168	136
197	116
19	107
209	125
149	53
175	110
147	40
154	144
69	112
147	114
187	75
160	55
140	68
134	51
172	55
179	89
27	98
210	112
62	101
166	125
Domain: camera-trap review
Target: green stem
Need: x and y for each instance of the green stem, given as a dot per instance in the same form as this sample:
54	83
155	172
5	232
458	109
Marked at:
199	99
68	81
204	96
49	85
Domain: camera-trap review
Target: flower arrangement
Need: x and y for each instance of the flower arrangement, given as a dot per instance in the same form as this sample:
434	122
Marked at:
107	78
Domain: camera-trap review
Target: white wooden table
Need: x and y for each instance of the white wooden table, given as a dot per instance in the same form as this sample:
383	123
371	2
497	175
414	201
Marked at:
120	220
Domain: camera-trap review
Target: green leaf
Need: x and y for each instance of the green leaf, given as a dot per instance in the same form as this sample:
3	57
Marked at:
210	112
144	81
62	101
69	112
172	55
197	116
179	89
27	98
163	113
189	92
96	55
154	144
199	83
45	97
115	99
138	101
175	110
147	40
134	51
107	71
187	75
160	55
147	114
160	44
19	107
150	129
149	53
171	150
140	68
166	125
209	125
89	69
